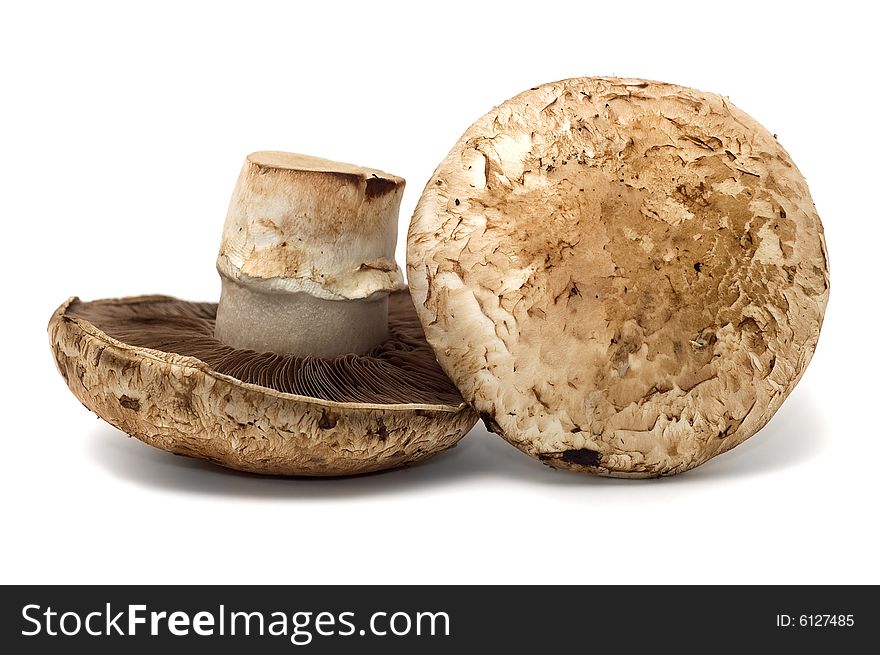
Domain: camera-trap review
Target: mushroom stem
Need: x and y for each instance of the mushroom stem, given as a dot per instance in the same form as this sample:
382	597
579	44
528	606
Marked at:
298	323
307	256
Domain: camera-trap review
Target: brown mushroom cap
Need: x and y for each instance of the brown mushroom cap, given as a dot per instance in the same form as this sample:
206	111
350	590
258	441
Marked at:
151	366
624	277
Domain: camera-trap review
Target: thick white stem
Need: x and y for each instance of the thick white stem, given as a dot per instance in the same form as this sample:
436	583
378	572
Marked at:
296	323
307	256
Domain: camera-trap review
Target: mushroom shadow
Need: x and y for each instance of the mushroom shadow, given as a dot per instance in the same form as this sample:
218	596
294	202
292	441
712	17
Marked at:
794	436
478	455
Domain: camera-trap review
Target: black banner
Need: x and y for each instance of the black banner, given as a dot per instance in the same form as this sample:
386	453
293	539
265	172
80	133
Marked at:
329	619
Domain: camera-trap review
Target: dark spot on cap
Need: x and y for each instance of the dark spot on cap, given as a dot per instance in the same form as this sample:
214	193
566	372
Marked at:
382	432
490	423
698	267
379	186
327	421
130	403
457	202
580	456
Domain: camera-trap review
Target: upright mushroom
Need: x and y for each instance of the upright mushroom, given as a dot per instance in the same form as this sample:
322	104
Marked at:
313	364
624	277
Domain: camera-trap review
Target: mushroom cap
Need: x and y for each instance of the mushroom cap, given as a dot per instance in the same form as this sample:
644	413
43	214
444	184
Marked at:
624	277
131	361
305	224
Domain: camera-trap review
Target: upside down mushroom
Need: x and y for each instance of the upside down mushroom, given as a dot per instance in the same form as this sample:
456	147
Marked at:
314	362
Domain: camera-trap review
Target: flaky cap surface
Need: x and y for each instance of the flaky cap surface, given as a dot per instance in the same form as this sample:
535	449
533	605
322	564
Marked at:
181	404
624	277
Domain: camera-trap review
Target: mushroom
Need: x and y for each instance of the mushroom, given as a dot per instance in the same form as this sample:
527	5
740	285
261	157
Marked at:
624	277
314	362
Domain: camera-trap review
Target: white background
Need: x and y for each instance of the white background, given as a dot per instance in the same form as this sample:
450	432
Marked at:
123	129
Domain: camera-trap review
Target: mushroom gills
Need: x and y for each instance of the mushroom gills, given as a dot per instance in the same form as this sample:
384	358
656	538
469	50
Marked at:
401	370
313	363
